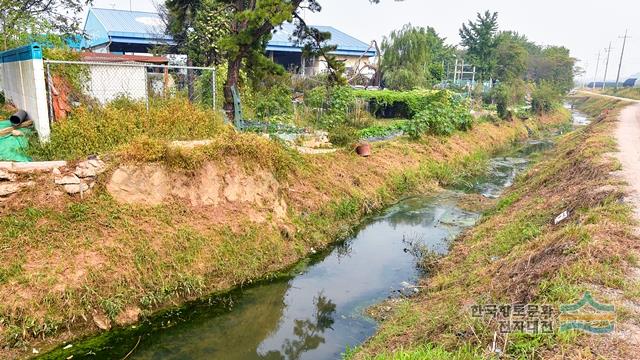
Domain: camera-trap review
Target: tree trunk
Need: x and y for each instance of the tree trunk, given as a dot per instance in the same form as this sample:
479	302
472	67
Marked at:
233	75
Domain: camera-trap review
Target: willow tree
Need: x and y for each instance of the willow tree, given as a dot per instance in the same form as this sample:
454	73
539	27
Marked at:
413	57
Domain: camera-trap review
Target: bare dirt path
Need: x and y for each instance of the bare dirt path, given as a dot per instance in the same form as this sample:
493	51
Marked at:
627	135
628	138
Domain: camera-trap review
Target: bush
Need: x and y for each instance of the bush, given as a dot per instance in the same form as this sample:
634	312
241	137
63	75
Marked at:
316	97
545	98
341	100
507	95
500	95
343	135
104	130
445	112
395	104
274	102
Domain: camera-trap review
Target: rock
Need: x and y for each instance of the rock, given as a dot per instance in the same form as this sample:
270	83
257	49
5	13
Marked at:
85	172
97	164
7	176
102	321
128	316
8	189
68	180
56	171
76	188
34	166
13	187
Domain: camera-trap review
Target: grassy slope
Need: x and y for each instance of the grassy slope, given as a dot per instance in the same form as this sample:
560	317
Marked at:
65	260
516	255
631	93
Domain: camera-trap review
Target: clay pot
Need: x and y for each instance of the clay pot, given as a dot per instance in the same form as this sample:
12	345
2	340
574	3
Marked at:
363	150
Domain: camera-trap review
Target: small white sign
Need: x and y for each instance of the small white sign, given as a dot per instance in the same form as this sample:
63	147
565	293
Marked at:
561	217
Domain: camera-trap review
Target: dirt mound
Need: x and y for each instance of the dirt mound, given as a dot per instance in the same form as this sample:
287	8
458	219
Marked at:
154	184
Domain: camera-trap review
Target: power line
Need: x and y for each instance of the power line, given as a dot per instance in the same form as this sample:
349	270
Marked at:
624	43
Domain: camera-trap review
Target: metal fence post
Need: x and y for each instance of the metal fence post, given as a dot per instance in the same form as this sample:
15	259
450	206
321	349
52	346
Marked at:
146	86
213	87
49	96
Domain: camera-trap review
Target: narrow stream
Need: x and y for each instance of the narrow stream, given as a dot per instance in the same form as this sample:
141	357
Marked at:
318	312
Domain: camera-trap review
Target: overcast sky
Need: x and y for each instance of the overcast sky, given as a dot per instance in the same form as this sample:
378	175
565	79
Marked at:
584	26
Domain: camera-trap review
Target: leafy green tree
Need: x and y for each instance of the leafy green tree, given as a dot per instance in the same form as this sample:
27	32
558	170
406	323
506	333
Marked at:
520	39
22	20
250	27
555	66
199	30
479	38
412	57
512	59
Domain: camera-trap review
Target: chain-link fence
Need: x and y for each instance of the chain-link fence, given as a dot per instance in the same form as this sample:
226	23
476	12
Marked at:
74	83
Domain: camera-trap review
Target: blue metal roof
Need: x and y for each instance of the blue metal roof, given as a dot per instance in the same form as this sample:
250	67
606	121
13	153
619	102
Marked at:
346	44
105	25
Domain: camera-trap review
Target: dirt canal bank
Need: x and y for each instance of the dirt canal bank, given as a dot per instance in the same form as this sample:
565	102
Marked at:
74	267
319	309
563	233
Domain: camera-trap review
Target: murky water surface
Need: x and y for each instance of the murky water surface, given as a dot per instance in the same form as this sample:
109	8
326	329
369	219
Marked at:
318	313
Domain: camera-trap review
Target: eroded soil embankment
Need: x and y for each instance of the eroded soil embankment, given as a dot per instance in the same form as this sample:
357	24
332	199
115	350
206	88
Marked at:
148	236
519	255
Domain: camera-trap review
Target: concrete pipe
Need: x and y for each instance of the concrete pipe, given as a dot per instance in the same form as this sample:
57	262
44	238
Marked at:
18	118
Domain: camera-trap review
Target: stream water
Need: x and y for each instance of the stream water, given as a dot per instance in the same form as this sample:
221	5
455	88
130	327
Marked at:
318	312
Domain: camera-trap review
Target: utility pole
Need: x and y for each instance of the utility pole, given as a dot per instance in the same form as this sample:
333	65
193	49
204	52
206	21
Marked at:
606	68
595	77
624	43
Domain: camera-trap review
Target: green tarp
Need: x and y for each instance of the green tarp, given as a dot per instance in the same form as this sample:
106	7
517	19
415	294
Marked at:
12	148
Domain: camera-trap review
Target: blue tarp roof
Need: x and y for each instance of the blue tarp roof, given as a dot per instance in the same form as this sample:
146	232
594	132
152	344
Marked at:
346	44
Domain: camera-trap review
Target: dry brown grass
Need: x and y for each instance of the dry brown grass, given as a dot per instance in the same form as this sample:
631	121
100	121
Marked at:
65	259
517	255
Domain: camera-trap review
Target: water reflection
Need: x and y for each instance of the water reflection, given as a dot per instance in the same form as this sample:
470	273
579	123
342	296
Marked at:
308	332
319	313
